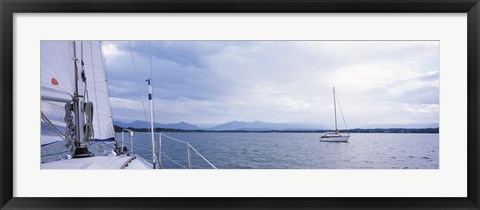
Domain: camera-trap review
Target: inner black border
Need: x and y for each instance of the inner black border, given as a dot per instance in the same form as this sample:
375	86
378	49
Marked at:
10	7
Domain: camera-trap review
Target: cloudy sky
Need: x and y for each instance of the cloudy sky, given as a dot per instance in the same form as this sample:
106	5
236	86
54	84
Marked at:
379	83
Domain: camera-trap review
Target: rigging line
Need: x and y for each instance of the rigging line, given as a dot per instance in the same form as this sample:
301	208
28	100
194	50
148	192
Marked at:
52	126
150	54
85	91
173	161
136	79
95	90
106	81
202	156
206	160
174	139
97	45
340	106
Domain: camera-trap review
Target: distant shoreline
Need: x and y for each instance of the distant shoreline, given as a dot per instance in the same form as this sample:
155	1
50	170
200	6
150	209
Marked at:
355	130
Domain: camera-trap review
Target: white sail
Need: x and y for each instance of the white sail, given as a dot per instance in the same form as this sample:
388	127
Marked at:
57	85
89	117
57	71
97	90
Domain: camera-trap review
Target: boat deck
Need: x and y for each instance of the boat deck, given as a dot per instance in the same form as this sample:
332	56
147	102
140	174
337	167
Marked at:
100	162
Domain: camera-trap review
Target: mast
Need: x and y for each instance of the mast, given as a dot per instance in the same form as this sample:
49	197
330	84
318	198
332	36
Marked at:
80	150
335	110
75	96
76	103
151	122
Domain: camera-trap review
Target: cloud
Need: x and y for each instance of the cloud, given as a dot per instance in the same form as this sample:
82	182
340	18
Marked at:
120	103
421	108
110	51
277	81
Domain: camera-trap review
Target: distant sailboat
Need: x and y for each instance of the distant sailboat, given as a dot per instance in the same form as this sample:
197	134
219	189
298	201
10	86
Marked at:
335	136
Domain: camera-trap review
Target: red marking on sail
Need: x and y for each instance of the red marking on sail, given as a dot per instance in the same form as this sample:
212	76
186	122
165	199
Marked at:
54	81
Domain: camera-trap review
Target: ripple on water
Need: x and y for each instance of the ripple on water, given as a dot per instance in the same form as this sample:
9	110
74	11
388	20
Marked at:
295	150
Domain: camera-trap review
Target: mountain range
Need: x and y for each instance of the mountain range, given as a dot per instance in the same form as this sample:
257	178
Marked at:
233	125
144	124
256	126
260	126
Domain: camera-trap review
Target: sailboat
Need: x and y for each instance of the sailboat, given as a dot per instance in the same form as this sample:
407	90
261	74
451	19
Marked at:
75	105
335	136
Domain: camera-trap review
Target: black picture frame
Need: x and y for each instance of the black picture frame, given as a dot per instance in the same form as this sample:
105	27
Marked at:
10	7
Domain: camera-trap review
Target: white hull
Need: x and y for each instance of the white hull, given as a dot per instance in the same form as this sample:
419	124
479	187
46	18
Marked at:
335	139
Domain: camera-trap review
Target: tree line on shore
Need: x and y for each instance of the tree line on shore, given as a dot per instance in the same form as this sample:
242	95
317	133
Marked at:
355	130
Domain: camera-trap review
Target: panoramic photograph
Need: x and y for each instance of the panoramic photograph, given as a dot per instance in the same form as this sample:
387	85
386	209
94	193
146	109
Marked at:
158	104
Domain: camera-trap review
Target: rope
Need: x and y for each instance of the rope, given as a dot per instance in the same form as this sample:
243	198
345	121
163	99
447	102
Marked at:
70	127
136	77
88	122
84	78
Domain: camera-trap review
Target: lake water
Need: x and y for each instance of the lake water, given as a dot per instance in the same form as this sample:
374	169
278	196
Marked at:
286	151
